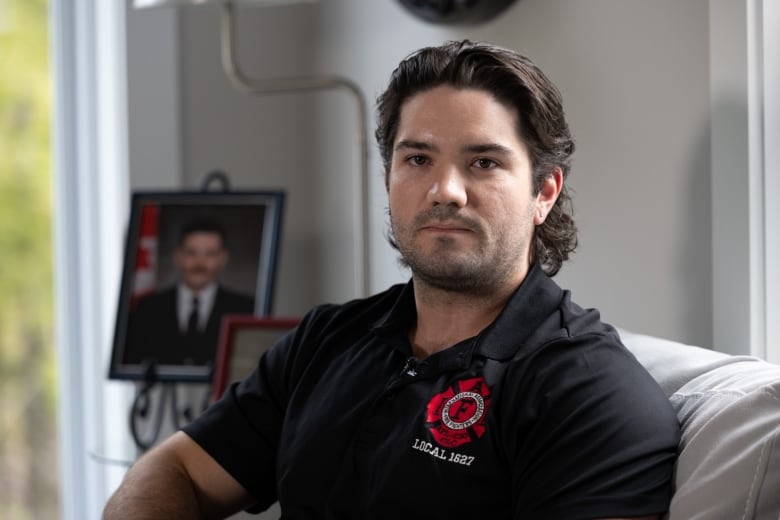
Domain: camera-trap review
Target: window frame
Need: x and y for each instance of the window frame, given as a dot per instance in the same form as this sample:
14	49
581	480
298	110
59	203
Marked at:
744	80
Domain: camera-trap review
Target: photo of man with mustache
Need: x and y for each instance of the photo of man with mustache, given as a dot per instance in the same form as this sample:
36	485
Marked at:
179	324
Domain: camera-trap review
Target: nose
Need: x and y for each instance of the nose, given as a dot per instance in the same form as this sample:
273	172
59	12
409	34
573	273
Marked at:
448	186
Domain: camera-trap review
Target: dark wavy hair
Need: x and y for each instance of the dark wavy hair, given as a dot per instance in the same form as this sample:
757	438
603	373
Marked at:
514	80
202	224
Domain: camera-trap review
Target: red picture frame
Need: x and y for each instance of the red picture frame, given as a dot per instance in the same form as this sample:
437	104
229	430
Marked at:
243	339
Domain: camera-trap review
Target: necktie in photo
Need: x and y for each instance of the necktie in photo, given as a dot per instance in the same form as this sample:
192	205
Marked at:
192	323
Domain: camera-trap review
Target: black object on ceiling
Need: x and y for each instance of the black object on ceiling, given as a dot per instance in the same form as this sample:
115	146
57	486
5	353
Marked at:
455	12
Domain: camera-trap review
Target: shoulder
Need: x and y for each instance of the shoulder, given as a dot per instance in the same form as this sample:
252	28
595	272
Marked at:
234	297
579	402
573	360
158	298
362	314
586	380
326	332
578	350
331	328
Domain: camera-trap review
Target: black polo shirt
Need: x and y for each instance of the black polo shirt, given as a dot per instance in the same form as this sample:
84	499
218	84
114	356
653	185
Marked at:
543	415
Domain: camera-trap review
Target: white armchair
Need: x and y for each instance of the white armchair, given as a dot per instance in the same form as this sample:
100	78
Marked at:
729	410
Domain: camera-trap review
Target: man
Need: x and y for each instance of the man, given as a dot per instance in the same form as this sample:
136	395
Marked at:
179	325
478	390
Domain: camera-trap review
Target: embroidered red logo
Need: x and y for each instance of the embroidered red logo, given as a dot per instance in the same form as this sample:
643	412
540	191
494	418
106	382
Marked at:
457	415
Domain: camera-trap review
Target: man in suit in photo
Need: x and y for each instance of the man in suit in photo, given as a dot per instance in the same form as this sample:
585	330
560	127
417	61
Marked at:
179	325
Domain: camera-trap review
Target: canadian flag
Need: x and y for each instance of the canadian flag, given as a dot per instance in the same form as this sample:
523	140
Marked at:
145	278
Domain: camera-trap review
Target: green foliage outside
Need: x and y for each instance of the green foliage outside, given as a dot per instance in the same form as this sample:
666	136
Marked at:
28	434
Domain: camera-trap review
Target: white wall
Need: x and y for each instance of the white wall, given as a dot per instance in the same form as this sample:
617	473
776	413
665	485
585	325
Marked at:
153	96
635	80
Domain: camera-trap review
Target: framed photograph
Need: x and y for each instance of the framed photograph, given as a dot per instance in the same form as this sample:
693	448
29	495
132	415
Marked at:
243	340
190	258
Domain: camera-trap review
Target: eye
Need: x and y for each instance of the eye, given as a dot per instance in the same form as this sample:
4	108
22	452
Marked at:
417	160
484	163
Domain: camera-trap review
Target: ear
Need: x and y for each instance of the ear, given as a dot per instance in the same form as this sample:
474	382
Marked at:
225	258
548	193
176	255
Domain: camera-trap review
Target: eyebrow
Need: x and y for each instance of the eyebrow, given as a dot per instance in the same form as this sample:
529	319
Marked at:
472	148
416	145
488	148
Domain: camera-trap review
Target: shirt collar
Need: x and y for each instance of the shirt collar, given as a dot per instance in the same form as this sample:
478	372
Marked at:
396	322
206	296
534	302
531	306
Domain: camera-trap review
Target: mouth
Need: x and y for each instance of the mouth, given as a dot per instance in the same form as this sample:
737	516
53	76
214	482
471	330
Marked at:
445	220
437	228
446	227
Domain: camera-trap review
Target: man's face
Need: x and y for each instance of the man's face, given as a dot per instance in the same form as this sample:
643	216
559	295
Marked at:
199	258
460	191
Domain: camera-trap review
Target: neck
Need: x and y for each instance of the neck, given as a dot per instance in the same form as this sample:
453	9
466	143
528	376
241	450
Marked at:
445	318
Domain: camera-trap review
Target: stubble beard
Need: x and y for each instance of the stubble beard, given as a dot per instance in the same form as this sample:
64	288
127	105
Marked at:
449	267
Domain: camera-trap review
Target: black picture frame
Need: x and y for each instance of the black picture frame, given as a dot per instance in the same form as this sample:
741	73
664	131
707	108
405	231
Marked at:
148	342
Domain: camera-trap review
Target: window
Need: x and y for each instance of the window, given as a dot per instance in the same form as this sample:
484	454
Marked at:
90	199
771	53
744	57
28	419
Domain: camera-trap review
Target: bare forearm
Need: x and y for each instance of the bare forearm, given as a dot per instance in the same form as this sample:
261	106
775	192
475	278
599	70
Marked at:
176	480
154	492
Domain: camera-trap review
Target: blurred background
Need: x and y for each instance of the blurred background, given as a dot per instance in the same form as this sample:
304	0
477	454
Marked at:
28	434
670	104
